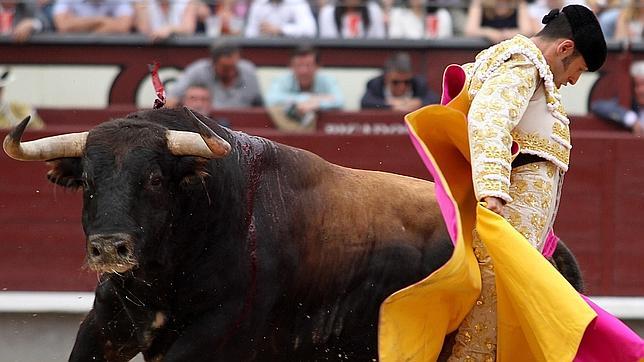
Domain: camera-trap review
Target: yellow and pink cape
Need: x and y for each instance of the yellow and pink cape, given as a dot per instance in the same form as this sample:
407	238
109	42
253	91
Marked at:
540	315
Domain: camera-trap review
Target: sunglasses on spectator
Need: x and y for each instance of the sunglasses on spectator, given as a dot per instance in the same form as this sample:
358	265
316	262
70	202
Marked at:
401	81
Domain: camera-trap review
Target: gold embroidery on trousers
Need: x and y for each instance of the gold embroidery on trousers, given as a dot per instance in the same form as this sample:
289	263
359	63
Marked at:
534	189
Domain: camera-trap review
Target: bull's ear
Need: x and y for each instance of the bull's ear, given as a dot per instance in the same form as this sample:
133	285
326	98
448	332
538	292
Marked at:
66	172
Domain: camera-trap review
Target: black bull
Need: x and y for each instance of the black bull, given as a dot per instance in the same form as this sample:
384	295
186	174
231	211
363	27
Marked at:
259	251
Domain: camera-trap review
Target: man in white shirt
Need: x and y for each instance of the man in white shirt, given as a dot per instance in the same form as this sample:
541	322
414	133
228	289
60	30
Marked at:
288	18
93	16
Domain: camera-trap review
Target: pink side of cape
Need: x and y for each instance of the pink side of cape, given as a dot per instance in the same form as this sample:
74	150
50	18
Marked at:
444	201
607	339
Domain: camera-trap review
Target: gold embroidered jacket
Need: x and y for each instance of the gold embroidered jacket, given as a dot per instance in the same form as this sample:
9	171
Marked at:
513	99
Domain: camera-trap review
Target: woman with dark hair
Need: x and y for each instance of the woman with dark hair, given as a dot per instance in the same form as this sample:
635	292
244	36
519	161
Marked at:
352	19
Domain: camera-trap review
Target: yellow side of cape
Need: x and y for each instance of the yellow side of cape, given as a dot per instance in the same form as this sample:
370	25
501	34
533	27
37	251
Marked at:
540	316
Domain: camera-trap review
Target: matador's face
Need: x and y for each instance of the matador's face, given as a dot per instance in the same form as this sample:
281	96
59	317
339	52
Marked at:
567	70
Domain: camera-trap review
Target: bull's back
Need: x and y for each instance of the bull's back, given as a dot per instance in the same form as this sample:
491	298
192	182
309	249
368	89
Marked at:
353	220
382	207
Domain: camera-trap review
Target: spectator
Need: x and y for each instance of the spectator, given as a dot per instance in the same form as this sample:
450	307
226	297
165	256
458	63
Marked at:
498	20
290	18
630	22
633	118
232	81
198	98
97	16
416	22
159	19
26	18
303	90
351	19
12	113
224	17
398	88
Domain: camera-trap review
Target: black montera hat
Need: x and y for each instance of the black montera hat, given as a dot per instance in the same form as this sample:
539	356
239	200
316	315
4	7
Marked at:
587	34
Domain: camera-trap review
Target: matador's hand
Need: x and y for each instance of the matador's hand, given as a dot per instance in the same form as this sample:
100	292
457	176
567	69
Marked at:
494	203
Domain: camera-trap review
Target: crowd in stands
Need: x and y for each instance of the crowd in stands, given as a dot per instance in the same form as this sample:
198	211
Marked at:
495	20
294	98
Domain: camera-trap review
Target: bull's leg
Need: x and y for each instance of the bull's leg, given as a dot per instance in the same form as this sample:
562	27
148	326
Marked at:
212	337
107	333
353	328
89	344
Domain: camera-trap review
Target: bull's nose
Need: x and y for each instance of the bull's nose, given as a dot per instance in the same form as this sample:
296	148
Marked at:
109	248
110	251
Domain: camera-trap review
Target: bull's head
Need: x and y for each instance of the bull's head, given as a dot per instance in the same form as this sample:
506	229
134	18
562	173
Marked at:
127	177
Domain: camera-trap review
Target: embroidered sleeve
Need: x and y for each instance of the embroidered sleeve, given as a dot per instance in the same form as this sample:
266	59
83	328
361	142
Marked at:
496	109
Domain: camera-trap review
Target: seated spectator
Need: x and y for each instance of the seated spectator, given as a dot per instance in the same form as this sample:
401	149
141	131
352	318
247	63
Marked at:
12	113
398	89
416	22
302	91
232	81
351	19
26	18
197	97
159	19
223	17
498	20
630	22
630	118
97	16
288	18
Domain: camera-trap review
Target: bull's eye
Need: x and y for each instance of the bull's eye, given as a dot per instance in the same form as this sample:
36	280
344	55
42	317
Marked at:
155	181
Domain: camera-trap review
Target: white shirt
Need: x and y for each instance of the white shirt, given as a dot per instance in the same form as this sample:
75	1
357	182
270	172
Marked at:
404	24
328	28
293	17
159	19
87	8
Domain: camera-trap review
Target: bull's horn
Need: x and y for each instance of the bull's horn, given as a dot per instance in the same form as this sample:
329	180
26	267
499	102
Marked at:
205	144
48	148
